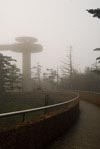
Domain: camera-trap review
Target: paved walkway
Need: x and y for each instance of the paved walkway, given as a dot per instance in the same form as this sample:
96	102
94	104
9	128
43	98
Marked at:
85	134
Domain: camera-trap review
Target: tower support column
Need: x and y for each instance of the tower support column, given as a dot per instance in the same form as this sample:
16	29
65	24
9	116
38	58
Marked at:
27	85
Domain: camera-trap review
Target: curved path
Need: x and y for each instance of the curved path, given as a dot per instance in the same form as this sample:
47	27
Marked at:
85	134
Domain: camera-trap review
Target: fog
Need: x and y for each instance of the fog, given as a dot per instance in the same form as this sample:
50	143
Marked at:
56	24
49	72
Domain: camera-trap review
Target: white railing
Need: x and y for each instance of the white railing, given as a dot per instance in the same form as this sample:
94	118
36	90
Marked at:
23	112
84	91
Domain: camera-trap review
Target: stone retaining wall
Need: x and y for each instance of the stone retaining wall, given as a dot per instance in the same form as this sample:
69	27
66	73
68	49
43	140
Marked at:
38	134
91	97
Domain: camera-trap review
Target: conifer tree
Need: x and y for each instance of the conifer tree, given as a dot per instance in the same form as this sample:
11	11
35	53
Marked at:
10	77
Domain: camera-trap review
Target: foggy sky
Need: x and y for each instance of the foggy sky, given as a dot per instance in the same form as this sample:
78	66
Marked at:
57	24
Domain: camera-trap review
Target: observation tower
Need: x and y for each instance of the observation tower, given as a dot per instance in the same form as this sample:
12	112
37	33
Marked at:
26	46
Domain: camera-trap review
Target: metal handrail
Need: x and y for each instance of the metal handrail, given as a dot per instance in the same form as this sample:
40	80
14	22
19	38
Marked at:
36	109
87	91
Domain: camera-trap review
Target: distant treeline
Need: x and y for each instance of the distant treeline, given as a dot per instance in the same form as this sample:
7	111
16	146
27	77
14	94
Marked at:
88	80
